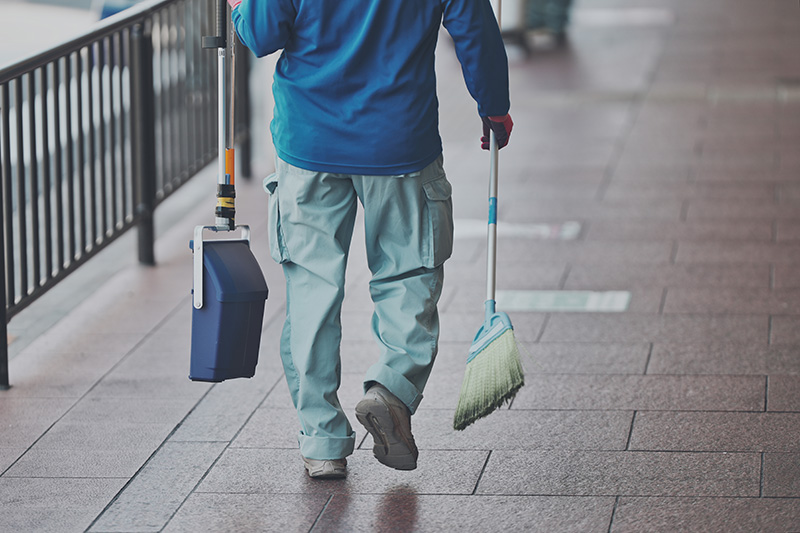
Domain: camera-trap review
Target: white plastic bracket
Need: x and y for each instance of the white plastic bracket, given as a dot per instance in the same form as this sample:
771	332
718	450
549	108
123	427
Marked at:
197	265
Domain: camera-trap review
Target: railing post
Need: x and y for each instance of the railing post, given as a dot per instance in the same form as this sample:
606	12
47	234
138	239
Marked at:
143	124
5	174
4	383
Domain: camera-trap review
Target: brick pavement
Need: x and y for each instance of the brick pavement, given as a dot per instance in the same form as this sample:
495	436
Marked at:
667	130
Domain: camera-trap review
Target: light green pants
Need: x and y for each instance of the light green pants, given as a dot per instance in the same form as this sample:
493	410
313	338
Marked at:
408	224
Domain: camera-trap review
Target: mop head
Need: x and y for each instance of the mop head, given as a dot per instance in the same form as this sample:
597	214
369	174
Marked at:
493	377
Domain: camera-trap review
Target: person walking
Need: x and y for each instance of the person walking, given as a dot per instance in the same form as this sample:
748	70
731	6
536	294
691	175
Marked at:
356	121
548	20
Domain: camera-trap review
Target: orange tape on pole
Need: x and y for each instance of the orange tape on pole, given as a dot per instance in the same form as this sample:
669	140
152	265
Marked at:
229	163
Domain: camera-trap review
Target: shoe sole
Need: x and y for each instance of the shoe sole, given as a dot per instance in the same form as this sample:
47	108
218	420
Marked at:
391	447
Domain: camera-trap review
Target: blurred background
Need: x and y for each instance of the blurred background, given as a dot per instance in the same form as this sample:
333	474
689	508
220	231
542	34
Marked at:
30	26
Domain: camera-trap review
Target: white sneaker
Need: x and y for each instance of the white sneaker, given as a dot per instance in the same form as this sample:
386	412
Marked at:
331	469
388	420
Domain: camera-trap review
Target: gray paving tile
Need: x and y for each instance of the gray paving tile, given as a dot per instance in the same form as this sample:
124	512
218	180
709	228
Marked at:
579	183
700	515
630	392
159	489
126	411
667	275
656	328
740	210
783	393
248	512
274	427
95	342
688	191
742	174
737	252
83	463
589	151
523	209
109	434
716	431
740	300
645	300
31	373
643	172
593	473
264	471
654	154
53	505
580	430
8	456
732	141
782	475
403	510
585	358
152	372
122	384
791	192
723	358
460	327
524	171
613	230
594	252
788	232
26	419
467	288
225	409
785	330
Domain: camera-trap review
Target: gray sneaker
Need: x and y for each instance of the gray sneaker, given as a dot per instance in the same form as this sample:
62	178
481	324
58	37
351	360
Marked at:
332	469
388	420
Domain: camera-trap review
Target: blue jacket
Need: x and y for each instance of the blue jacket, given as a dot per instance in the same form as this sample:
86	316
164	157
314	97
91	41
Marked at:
355	88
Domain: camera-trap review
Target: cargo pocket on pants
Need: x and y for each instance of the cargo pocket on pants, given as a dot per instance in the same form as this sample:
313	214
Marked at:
277	243
439	203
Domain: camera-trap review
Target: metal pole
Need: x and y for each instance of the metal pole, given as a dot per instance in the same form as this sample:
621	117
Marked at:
243	95
491	235
225	209
143	117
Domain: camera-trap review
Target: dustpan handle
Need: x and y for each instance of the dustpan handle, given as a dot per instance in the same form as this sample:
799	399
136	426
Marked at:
225	209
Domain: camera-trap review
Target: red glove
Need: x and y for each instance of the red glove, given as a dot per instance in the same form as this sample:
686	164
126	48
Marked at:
234	3
501	126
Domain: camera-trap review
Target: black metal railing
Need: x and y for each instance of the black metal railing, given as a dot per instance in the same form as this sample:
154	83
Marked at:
95	133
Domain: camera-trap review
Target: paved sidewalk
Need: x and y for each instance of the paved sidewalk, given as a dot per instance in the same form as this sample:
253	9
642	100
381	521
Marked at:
649	259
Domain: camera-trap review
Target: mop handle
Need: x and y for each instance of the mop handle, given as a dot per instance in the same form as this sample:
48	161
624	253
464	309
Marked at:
491	266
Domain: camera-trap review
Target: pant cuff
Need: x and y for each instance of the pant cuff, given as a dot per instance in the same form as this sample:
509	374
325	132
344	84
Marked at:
397	384
326	448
